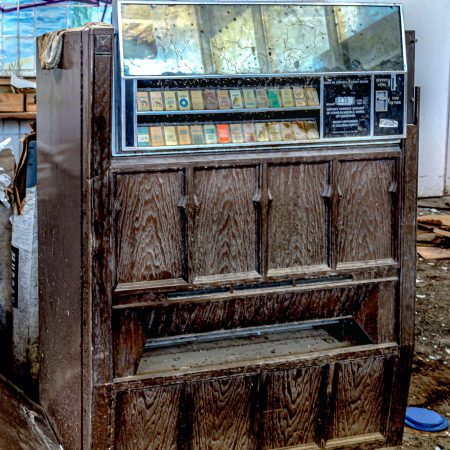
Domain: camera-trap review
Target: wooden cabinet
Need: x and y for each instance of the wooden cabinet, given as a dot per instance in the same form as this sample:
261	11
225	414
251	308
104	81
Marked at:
249	300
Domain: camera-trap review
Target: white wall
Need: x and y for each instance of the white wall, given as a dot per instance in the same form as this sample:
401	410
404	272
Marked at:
431	20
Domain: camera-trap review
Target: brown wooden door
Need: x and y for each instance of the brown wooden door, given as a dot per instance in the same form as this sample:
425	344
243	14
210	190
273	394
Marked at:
149	228
226	224
291	410
298	218
366	224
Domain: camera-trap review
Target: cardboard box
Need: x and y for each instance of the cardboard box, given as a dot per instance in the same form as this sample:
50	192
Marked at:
30	103
12	102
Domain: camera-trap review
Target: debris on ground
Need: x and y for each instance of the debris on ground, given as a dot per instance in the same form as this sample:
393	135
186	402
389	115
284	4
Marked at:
433	230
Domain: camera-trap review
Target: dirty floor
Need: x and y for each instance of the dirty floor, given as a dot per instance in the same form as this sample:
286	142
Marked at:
430	383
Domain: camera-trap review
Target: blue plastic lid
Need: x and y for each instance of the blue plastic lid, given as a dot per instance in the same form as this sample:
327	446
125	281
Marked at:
424	419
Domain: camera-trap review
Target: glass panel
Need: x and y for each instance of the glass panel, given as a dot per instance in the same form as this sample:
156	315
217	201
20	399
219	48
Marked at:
26	22
51	18
160	39
254	39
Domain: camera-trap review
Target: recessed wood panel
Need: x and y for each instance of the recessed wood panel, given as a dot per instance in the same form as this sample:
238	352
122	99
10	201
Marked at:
225	224
365	216
224	414
149	229
359	396
298	222
208	315
147	419
291	407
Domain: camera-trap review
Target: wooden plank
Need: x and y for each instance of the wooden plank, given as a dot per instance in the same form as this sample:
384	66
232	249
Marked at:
298	225
365	222
433	252
436	219
226	231
23	424
224	414
18	116
358	390
441	232
291	407
12	103
149	232
284	363
147	419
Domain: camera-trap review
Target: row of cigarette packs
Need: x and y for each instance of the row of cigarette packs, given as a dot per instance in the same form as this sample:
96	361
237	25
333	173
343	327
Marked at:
221	99
224	133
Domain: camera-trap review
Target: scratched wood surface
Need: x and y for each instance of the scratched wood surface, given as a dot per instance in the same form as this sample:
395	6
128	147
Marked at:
225	227
149	237
298	224
23	424
291	407
129	340
358	389
224	414
365	219
147	419
256	310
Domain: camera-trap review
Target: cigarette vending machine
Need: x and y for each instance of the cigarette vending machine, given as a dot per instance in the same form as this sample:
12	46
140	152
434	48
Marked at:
227	218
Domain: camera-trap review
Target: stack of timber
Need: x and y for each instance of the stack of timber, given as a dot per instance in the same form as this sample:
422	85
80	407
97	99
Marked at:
433	236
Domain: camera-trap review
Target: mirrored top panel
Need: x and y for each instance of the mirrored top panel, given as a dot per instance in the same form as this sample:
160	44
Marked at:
184	39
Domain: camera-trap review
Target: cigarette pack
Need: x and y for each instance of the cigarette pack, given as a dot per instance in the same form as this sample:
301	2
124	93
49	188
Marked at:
197	100
287	98
183	100
224	99
236	99
143	137
197	135
156	101
210	134
261	98
210	99
156	135
142	101
170	135
170	101
249	98
311	129
223	131
312	98
236	133
275	131
249	132
274	98
287	132
299	96
299	131
262	134
184	137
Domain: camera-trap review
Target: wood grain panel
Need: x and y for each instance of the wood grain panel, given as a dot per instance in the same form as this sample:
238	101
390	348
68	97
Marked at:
291	407
225	231
224	416
298	222
257	310
358	403
365	216
147	419
149	229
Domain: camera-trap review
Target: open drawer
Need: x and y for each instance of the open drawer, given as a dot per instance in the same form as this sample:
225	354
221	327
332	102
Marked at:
305	385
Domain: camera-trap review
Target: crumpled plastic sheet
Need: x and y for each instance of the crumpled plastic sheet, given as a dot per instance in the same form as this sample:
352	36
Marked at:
5	183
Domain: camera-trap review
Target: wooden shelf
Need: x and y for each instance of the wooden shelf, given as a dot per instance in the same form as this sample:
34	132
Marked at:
18	115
